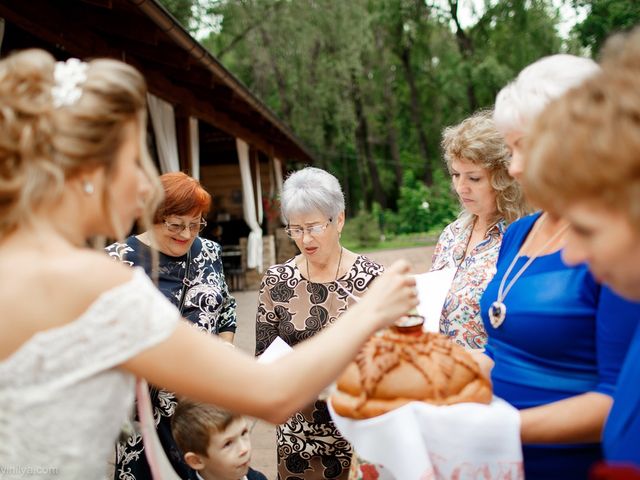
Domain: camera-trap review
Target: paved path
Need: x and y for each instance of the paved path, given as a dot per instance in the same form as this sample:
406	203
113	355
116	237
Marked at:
263	434
418	257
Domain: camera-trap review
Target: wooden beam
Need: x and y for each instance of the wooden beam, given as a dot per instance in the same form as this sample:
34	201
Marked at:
199	77
130	27
162	54
164	88
82	28
48	23
100	3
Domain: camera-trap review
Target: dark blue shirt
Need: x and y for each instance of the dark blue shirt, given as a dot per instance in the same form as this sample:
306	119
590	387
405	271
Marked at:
564	335
621	438
208	303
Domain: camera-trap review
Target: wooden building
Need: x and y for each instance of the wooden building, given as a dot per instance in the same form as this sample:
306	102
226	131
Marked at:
203	120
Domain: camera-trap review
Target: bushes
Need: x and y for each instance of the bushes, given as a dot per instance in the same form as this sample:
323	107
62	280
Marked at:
421	209
362	231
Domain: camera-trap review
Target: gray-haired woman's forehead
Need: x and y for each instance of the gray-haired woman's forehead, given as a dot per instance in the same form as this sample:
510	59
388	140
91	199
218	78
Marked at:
522	100
312	189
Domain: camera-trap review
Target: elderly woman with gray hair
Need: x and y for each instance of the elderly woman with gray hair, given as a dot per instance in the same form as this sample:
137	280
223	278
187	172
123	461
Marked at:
558	337
301	296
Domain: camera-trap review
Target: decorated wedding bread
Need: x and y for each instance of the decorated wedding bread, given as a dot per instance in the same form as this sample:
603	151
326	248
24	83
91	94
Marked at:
403	364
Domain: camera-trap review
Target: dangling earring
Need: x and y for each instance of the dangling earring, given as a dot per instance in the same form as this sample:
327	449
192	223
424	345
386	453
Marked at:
87	187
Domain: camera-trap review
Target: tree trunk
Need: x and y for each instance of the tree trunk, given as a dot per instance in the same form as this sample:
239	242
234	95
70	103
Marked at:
285	105
416	112
465	45
392	132
362	134
363	178
390	116
286	108
346	187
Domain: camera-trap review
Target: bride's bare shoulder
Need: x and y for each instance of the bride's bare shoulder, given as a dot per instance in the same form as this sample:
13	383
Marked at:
80	270
93	269
78	277
49	291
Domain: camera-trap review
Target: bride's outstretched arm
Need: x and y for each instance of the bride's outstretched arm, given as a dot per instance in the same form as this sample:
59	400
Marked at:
201	367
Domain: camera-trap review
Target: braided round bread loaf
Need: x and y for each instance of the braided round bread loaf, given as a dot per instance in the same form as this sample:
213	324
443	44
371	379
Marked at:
395	368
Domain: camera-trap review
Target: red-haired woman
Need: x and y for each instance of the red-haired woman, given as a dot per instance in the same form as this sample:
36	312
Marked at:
190	275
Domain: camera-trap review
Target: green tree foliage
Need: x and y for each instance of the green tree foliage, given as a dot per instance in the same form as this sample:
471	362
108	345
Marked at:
364	229
180	9
605	17
422	208
369	85
509	36
413	205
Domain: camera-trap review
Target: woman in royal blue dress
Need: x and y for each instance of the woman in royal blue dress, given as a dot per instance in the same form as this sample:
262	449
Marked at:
590	140
558	338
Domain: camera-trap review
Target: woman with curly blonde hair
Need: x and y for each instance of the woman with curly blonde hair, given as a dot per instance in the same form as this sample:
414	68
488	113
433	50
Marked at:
478	161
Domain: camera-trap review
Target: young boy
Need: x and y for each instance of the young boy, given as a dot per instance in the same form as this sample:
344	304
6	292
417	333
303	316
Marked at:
214	442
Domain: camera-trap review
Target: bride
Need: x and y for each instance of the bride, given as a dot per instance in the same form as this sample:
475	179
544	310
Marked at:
77	328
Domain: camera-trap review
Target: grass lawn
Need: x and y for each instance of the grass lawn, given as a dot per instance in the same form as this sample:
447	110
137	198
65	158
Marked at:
392	243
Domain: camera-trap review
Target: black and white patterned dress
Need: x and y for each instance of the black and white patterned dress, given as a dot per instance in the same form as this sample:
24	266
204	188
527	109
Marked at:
208	305
290	306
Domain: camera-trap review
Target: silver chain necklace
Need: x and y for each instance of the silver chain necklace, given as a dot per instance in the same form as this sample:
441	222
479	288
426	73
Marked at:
498	310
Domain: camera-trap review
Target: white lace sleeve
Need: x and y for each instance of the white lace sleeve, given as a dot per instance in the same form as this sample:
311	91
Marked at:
133	317
121	323
63	398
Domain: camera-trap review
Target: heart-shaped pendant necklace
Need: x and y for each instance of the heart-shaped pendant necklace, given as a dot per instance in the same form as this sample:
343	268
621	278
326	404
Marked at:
498	310
497	313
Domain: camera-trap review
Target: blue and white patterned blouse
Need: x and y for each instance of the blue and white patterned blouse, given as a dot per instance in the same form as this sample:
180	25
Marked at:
208	303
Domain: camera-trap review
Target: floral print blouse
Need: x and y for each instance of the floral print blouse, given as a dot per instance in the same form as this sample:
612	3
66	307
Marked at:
460	318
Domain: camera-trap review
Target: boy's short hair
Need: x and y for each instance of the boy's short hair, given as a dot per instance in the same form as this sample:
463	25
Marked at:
193	423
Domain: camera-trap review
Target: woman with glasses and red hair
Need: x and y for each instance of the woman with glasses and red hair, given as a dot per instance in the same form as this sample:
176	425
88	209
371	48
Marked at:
301	296
190	275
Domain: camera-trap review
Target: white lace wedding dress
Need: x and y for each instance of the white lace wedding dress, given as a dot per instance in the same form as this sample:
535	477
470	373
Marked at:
62	398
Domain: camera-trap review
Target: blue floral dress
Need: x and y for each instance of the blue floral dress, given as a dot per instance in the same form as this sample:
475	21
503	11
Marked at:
208	305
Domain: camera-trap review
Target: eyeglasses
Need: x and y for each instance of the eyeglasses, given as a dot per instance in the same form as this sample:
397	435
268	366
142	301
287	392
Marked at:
314	230
179	227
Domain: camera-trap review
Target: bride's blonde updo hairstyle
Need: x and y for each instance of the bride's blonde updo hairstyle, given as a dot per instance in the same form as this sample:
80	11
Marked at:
44	142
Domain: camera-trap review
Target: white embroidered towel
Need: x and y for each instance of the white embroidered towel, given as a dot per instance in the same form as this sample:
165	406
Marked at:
420	441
